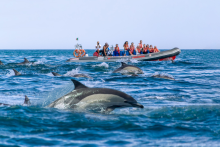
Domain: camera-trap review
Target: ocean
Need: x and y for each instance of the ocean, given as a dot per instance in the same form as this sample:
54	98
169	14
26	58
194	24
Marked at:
180	112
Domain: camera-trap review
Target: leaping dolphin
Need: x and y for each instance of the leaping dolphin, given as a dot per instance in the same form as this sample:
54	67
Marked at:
83	97
24	62
1	63
16	72
128	69
76	75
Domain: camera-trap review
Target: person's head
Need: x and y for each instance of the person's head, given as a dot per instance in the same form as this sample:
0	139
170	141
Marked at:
147	45
97	42
116	45
106	44
144	45
151	46
155	47
140	41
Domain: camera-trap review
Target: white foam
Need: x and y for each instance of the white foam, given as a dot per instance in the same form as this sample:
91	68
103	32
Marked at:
72	72
11	73
40	61
103	64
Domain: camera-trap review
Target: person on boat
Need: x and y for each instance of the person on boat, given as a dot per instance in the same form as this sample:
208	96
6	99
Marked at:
139	50
140	45
116	51
105	50
145	49
151	49
126	48
156	50
132	49
98	47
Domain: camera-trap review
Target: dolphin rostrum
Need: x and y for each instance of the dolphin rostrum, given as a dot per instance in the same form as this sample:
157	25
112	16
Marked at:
84	98
163	76
76	75
16	72
24	62
1	63
129	69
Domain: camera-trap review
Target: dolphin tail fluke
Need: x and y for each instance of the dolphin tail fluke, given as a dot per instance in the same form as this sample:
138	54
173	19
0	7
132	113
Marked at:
27	100
16	72
78	85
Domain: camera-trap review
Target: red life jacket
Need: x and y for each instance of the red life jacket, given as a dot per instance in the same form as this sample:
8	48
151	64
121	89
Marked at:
126	47
139	50
131	49
140	45
151	49
145	49
118	50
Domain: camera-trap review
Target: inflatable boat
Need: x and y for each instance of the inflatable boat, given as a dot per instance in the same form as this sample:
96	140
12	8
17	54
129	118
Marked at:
159	56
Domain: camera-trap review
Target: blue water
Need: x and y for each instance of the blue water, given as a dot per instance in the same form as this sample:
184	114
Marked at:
184	112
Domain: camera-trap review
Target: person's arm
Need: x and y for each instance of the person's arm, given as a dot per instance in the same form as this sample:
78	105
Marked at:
105	51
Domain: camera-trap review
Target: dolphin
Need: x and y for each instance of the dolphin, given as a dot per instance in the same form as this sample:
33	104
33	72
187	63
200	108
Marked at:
56	74
163	77
129	69
83	98
24	62
26	102
1	63
76	75
16	72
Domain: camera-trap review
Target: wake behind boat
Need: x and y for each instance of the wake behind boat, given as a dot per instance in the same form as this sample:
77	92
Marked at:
158	56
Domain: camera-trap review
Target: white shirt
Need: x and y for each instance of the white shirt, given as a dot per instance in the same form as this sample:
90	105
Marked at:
98	46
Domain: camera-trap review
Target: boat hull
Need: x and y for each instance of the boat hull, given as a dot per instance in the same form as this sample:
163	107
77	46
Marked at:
159	56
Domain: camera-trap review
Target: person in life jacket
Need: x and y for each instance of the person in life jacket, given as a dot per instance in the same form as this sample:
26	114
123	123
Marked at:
145	49
140	45
132	48
151	49
155	49
98	47
139	50
116	51
126	48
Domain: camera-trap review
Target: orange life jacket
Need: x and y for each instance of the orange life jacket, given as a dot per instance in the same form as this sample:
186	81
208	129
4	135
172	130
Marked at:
131	49
126	47
145	49
140	45
151	49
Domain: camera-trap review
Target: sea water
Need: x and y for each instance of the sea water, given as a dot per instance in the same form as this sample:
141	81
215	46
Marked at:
180	112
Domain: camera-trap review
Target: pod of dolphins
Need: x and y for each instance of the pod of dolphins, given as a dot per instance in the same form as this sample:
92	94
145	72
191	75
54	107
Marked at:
85	98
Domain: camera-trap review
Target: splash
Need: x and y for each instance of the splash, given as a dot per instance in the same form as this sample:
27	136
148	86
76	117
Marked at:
105	65
72	72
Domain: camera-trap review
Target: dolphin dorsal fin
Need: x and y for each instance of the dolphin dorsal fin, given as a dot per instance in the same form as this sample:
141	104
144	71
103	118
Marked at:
16	72
123	64
26	60
78	85
27	100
